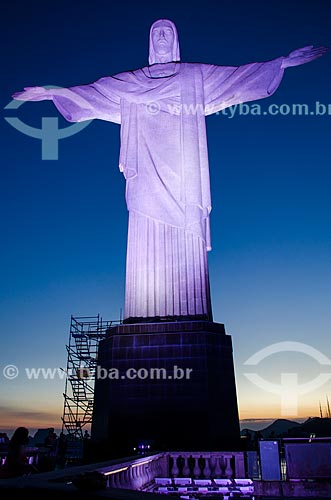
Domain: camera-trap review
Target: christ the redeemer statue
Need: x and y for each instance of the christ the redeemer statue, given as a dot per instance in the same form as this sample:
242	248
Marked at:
161	109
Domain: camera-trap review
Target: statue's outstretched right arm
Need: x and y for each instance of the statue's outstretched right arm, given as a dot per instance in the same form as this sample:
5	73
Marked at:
35	94
76	104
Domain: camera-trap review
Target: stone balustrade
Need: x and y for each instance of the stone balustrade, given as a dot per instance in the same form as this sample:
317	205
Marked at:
136	474
140	473
207	465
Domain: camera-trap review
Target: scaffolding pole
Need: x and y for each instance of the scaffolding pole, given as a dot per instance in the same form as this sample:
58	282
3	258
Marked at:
82	349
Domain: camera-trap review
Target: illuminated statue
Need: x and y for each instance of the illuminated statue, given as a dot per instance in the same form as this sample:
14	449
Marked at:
164	158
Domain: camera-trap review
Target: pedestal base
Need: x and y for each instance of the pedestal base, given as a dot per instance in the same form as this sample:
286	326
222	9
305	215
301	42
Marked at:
168	385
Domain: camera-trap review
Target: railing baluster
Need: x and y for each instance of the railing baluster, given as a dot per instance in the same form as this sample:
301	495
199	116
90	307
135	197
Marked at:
175	470
207	470
218	469
196	470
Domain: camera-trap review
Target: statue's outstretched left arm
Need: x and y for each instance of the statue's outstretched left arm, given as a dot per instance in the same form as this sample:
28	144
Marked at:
303	56
226	86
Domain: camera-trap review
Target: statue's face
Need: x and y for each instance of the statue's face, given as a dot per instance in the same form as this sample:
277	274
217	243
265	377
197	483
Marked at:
163	38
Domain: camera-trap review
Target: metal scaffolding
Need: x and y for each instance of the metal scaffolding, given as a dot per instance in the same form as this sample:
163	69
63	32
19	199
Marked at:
84	338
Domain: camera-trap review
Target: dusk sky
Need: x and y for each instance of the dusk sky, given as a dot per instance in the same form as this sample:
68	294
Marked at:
64	221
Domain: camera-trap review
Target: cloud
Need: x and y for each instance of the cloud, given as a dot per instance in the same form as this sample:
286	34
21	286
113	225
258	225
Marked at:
12	417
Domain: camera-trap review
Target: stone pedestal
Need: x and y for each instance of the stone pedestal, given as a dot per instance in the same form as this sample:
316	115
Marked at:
169	384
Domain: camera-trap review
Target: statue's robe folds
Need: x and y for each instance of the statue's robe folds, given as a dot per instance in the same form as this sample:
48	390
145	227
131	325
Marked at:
164	159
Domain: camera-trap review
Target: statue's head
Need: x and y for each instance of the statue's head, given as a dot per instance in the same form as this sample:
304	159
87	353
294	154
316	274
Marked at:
163	42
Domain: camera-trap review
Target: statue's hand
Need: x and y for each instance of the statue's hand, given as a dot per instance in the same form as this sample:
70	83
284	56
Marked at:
303	55
33	94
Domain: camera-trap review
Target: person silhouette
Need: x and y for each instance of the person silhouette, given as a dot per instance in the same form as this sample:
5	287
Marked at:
17	463
61	450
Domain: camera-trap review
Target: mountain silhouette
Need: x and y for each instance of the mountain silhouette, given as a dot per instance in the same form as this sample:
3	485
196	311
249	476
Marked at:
321	427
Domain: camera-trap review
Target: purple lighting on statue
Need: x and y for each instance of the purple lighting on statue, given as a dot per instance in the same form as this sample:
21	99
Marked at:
161	109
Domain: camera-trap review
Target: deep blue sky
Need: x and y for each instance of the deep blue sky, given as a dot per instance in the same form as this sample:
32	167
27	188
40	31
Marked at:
64	222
